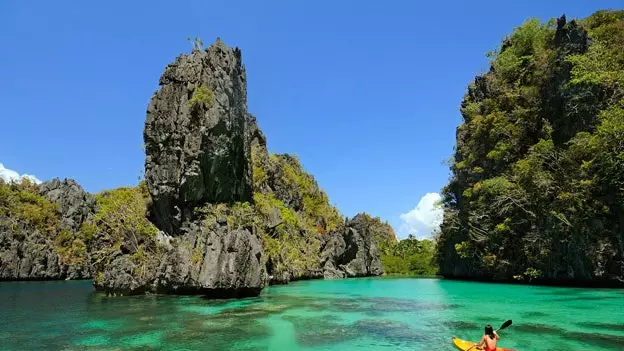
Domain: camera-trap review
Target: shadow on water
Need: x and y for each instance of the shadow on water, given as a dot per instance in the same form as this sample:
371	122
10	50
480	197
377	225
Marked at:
586	298
394	332
604	326
320	331
386	305
597	339
462	325
594	339
323	331
560	292
535	314
538	329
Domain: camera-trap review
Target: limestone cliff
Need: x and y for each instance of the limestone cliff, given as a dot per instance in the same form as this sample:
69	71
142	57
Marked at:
195	136
230	217
217	214
536	189
40	234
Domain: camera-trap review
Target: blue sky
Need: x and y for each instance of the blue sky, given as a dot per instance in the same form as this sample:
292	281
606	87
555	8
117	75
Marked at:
366	93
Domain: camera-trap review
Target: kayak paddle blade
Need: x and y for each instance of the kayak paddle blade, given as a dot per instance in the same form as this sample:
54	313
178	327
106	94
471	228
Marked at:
505	325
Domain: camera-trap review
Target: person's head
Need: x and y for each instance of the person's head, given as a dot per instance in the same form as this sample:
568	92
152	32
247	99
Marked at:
489	331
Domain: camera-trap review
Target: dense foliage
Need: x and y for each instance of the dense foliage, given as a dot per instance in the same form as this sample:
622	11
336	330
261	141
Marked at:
537	187
20	202
292	211
409	256
120	223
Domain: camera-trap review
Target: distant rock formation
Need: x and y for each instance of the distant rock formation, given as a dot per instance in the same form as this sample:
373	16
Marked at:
221	239
34	221
352	251
73	203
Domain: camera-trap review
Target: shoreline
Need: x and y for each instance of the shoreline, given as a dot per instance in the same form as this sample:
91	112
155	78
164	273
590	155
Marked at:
614	285
564	283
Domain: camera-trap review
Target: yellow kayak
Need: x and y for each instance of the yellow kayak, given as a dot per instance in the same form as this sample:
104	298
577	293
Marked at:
464	345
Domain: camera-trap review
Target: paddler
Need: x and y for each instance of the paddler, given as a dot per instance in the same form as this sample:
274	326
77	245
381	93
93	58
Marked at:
489	340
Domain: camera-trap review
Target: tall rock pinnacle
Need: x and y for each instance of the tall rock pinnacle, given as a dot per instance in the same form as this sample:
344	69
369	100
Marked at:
196	135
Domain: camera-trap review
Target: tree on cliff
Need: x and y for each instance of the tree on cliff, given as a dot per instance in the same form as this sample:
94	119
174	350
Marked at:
537	187
197	43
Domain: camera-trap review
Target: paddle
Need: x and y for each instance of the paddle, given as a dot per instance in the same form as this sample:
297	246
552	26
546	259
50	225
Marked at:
505	325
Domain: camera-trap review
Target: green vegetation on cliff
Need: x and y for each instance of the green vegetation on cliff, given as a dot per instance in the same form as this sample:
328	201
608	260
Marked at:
202	96
120	223
121	212
20	202
537	190
293	210
23	209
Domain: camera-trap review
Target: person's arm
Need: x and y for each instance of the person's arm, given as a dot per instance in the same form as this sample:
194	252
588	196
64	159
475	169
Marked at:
496	335
479	344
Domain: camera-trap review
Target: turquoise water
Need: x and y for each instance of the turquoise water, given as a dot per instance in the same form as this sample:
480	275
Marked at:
344	315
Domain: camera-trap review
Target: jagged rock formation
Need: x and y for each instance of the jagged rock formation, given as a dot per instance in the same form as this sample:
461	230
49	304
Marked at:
227	228
217	215
352	251
217	235
73	204
304	237
536	193
196	143
214	256
197	139
39	230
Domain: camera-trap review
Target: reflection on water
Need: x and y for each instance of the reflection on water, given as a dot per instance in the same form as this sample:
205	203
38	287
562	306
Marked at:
356	314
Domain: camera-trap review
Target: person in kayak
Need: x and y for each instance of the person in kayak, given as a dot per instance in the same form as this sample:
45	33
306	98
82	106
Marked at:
489	340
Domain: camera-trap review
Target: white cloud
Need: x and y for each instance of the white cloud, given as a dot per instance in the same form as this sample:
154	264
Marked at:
10	175
424	219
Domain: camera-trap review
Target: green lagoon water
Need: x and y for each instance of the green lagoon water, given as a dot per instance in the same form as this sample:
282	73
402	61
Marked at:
342	315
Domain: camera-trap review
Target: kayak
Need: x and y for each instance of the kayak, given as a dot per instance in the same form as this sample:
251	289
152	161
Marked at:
464	345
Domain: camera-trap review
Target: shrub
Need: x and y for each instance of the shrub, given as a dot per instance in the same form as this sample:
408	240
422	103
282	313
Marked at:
21	201
202	96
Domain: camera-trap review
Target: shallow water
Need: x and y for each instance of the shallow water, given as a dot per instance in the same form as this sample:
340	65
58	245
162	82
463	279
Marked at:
344	315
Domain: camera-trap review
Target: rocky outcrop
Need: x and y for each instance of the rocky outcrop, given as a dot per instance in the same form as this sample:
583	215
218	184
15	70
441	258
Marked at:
352	251
563	102
73	204
197	136
216	215
304	237
215	261
30	228
535	194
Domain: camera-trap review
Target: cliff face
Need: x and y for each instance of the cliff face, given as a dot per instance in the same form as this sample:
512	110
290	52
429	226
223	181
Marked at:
303	235
198	165
536	189
217	215
352	251
197	150
229	218
40	234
